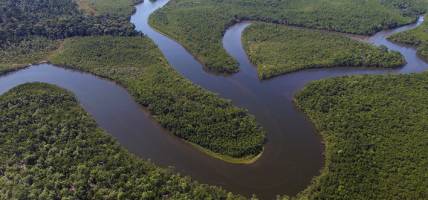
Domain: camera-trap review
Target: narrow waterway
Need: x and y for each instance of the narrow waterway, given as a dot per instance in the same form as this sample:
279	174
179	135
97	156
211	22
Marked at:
293	153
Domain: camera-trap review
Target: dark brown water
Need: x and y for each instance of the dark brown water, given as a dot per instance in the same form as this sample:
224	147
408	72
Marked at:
293	153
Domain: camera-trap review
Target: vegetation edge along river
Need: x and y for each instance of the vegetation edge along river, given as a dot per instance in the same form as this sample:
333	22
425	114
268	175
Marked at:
416	37
239	75
52	149
279	49
186	21
375	130
30	30
189	112
222	130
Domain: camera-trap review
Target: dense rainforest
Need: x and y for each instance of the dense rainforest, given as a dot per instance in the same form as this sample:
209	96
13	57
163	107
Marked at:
375	131
199	25
417	37
18	54
30	29
188	111
236	135
50	148
55	20
108	7
278	49
374	127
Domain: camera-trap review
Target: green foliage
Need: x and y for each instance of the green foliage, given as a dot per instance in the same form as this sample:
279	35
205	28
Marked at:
51	149
55	20
375	130
417	37
18	54
277	49
199	25
186	110
113	7
408	7
29	28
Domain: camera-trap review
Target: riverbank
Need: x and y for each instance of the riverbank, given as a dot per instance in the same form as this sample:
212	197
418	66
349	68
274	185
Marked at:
57	149
188	111
375	133
199	25
269	101
250	159
123	8
417	38
30	31
16	56
278	49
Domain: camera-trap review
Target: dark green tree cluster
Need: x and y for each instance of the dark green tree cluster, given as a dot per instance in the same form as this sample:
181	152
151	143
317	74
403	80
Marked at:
376	133
408	7
108	7
31	29
51	149
199	25
278	49
55	20
15	55
188	111
417	37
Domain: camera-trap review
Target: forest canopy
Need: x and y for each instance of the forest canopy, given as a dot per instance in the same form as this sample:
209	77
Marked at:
375	131
50	148
31	29
417	37
278	49
15	55
188	111
199	25
108	7
55	20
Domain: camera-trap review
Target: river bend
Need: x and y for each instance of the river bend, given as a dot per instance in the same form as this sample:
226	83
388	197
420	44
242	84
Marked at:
293	152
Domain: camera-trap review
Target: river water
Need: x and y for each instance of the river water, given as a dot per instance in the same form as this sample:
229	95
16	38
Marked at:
293	152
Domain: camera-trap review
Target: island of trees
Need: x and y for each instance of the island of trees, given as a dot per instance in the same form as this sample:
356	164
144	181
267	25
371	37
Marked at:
198	25
278	49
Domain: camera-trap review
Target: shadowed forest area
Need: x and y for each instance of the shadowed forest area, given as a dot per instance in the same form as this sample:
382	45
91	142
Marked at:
30	29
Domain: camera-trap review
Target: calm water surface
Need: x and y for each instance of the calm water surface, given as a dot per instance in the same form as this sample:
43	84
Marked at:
293	153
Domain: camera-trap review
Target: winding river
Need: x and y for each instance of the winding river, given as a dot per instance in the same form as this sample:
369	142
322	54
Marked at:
293	153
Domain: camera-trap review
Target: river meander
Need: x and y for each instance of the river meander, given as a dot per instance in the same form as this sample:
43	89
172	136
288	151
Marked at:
293	152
